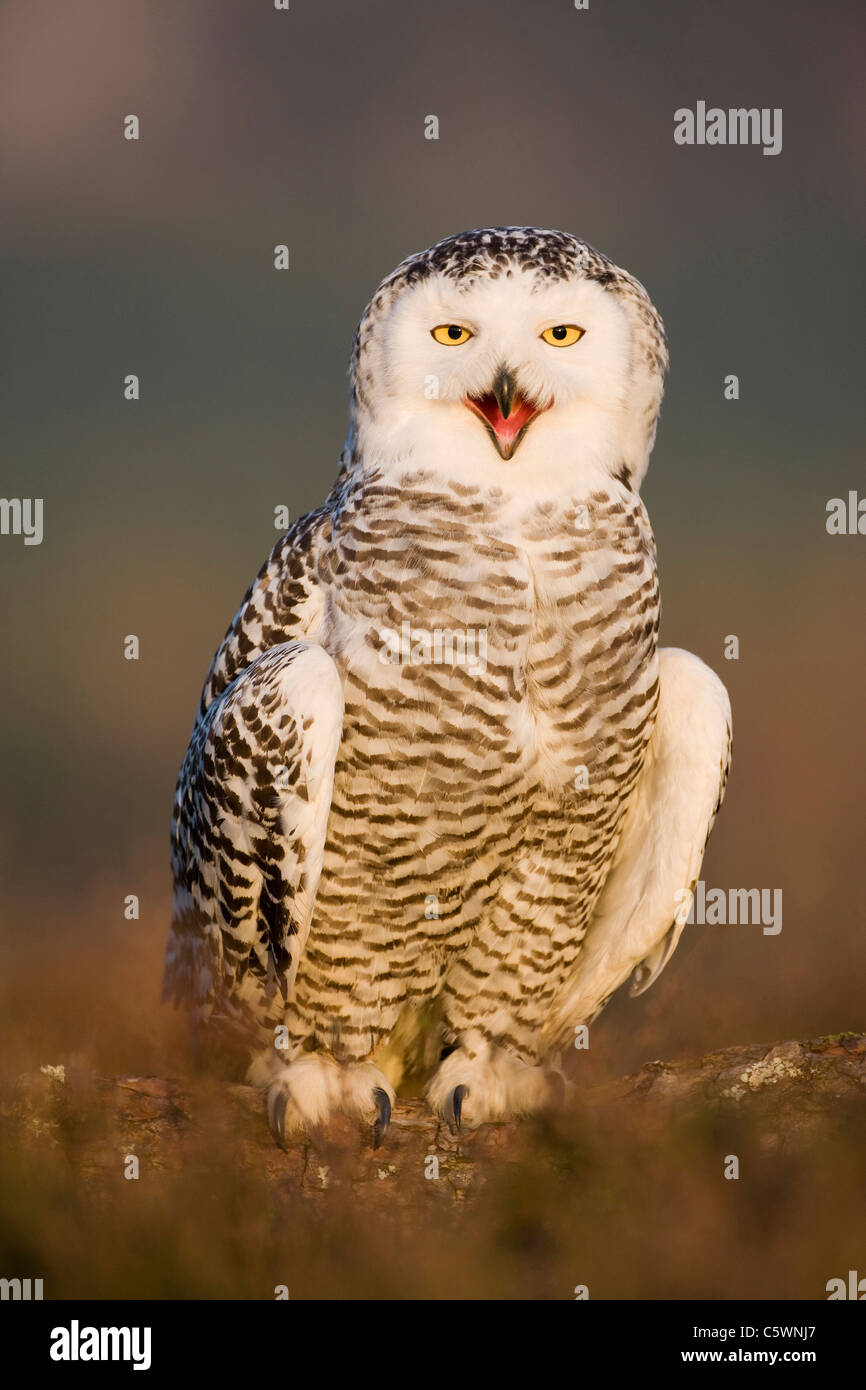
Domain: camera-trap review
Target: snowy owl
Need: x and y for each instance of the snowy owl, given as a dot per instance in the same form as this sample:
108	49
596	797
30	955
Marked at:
444	794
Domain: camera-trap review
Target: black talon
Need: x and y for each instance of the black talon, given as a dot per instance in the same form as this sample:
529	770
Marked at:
454	1107
278	1119
383	1119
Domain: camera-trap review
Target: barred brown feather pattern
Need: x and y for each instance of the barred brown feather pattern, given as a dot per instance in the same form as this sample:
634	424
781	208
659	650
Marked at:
460	787
464	782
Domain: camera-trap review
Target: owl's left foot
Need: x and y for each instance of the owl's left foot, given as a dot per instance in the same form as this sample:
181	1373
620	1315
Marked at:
478	1083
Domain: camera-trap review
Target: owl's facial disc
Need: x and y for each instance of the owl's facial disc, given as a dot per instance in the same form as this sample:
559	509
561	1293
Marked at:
505	413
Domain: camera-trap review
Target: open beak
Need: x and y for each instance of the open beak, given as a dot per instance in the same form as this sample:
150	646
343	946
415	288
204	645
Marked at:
505	413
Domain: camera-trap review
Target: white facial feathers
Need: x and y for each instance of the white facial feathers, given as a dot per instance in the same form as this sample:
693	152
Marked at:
588	406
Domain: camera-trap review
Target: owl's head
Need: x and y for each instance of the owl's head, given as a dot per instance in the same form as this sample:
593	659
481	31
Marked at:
513	353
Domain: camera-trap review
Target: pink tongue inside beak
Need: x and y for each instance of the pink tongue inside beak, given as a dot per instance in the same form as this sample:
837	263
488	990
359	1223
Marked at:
506	430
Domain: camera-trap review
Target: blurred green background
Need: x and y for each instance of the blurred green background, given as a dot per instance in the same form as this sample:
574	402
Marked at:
156	257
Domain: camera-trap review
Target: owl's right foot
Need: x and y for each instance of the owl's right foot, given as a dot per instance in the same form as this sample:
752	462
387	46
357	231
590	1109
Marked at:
478	1083
306	1093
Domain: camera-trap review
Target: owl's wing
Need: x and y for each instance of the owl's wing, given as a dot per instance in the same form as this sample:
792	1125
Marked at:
251	812
253	793
643	906
285	601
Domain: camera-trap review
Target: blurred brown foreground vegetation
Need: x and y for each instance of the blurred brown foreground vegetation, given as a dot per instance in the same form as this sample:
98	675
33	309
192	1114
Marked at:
622	1190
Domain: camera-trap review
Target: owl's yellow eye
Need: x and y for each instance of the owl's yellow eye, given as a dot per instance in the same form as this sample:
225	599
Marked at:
563	335
451	334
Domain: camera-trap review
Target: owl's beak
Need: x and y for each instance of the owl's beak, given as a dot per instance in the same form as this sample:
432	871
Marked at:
505	412
505	391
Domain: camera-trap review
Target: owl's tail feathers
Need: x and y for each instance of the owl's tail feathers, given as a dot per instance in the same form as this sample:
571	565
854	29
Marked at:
645	902
249	833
